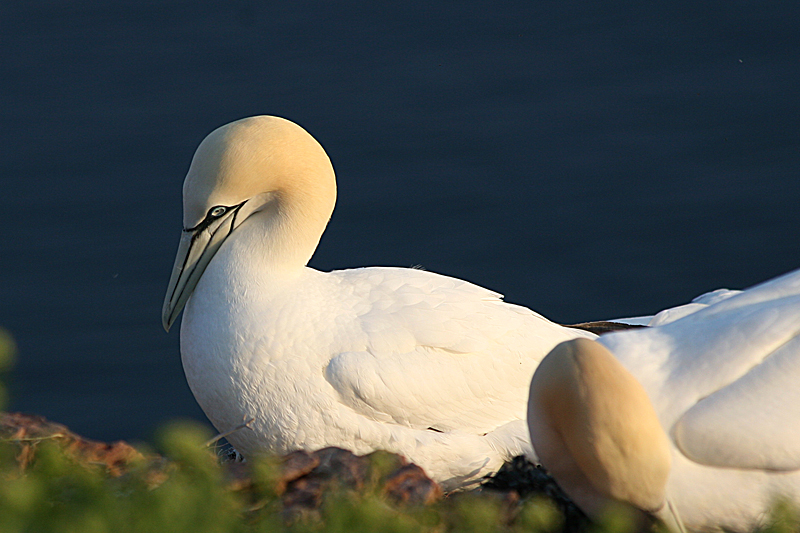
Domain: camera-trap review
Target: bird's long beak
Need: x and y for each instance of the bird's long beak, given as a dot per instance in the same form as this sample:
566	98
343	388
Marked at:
195	251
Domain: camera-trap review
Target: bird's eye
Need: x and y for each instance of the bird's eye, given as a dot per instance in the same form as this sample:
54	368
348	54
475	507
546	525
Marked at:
218	211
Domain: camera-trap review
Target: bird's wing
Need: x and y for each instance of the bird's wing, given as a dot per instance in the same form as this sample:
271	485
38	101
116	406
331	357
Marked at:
701	302
440	353
745	374
752	423
672	314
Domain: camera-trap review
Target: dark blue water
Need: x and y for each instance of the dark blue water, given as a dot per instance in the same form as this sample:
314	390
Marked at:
587	159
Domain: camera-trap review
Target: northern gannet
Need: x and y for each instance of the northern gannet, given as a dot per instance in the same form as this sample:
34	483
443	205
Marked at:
696	418
431	367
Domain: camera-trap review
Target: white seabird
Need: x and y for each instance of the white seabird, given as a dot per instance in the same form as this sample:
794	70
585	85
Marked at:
431	367
718	440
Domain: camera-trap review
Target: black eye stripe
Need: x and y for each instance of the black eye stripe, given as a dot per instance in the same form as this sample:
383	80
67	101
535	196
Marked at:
211	217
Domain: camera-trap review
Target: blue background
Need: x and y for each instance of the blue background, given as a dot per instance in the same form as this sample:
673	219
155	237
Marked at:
589	160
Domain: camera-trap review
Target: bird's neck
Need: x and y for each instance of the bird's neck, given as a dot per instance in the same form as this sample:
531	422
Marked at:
277	242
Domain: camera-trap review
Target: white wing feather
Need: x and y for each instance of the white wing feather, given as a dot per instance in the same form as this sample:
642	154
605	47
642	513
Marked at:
752	423
441	353
727	375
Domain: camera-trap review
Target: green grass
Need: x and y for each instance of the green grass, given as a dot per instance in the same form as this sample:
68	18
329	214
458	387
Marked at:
190	492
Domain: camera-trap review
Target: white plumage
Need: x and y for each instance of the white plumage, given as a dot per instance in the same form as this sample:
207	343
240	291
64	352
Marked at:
404	360
722	375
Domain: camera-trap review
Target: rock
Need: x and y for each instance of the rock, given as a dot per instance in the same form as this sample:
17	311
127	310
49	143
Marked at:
295	465
307	477
521	479
347	469
29	430
304	478
409	484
